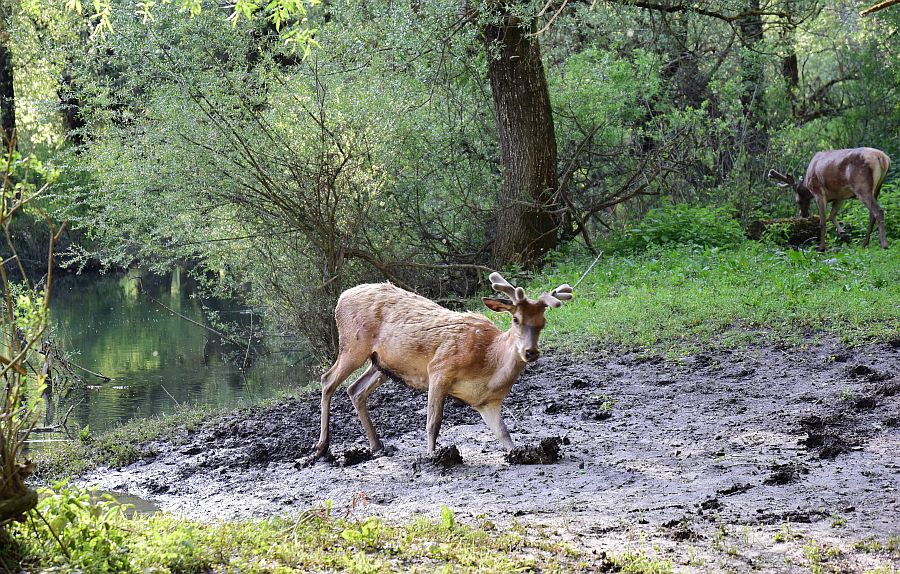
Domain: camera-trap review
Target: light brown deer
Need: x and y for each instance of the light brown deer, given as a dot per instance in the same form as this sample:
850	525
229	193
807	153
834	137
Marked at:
433	349
836	176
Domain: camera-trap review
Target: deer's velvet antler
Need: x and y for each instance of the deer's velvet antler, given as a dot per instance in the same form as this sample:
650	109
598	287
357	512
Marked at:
787	180
501	285
557	297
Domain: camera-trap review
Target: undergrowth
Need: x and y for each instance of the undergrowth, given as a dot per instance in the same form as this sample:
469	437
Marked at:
95	534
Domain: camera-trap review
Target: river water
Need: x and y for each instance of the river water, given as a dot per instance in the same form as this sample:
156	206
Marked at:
156	359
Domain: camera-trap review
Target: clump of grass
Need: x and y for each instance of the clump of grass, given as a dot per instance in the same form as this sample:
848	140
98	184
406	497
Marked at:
118	446
130	441
639	562
94	535
819	556
872	545
682	298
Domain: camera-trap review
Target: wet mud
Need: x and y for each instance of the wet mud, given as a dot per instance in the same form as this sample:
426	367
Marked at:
703	459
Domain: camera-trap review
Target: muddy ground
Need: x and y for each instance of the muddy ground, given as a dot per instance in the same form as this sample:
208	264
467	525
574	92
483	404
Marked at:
759	459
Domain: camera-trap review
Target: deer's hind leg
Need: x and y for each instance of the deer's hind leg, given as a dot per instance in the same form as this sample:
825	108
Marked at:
876	215
359	393
835	207
345	365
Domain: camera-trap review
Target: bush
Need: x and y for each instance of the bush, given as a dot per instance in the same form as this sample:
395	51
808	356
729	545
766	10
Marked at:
682	225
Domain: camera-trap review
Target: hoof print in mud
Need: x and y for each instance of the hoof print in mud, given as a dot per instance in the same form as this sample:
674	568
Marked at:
830	445
579	384
680	530
446	457
312	459
785	473
826	435
353	456
870	374
258	454
547	452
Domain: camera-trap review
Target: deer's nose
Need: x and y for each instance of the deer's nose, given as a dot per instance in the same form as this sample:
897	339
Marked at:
532	355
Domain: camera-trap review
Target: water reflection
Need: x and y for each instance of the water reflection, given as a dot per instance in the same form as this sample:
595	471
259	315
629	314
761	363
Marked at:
155	358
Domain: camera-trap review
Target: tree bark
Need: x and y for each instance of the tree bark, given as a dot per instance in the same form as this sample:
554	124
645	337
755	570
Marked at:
7	90
527	224
790	70
16	506
70	109
751	30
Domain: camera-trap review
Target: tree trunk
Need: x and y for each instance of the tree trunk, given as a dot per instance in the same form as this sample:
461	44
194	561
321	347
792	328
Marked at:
17	505
70	109
527	227
751	29
7	91
790	70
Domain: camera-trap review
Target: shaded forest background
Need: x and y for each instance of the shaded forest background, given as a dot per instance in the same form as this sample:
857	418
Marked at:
423	142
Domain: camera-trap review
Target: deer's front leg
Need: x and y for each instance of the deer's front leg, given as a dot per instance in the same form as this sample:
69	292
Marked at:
491	413
820	201
437	394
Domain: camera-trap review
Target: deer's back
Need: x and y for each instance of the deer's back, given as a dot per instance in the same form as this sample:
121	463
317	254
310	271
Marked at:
405	330
838	172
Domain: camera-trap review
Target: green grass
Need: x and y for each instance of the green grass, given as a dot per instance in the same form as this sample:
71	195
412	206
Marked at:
118	446
95	535
683	298
127	442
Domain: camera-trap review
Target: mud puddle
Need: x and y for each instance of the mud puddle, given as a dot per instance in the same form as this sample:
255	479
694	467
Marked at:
707	460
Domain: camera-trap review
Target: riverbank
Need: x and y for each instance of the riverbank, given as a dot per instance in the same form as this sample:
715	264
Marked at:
715	409
729	459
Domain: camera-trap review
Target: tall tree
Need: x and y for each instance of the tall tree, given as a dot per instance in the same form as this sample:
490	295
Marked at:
527	224
751	32
7	89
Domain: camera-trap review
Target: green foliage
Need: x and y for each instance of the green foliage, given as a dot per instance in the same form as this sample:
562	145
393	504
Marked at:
448	518
639	562
80	532
23	323
98	535
681	225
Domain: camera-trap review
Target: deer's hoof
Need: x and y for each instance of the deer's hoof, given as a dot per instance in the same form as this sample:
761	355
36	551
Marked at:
385	450
320	454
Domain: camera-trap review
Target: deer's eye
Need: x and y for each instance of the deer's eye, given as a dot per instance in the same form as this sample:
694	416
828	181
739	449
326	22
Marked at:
516	320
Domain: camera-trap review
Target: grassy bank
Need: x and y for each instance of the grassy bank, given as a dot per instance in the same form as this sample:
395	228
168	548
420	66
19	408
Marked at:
118	446
684	298
91	535
664	299
671	300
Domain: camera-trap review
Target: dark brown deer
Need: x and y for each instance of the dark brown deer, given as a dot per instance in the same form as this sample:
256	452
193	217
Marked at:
836	176
433	349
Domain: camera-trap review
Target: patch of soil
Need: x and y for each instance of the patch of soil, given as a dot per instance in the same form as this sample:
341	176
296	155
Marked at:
354	455
693	440
446	457
785	473
547	452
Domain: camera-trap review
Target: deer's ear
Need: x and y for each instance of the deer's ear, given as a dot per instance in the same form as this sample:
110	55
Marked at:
499	305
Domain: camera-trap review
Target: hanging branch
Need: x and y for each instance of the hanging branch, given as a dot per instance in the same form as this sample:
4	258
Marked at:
879	6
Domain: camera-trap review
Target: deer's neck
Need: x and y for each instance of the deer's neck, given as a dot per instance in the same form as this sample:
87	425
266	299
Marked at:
506	356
